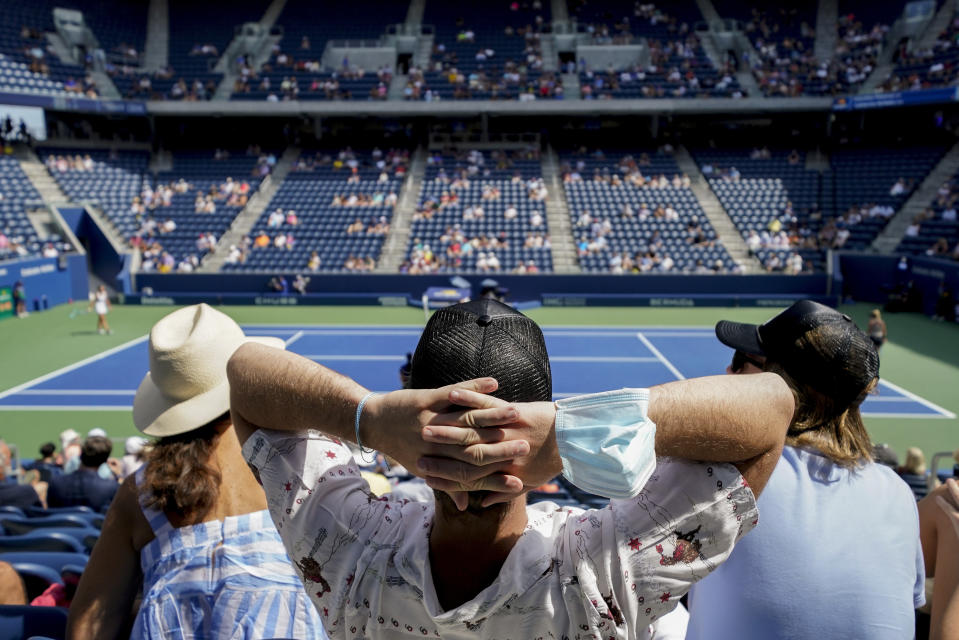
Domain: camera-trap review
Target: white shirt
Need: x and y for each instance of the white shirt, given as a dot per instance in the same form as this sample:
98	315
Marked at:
607	572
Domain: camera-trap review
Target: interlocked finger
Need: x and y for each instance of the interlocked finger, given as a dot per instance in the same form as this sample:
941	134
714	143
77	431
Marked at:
461	436
499	483
491	417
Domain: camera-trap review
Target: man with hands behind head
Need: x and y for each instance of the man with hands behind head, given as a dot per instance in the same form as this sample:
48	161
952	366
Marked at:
479	562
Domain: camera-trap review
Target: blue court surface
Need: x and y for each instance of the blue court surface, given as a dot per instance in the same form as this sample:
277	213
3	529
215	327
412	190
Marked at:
584	360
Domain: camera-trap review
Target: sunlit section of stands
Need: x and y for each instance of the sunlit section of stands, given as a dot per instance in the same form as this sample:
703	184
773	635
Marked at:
324	202
295	72
484	52
18	238
622	226
509	234
935	232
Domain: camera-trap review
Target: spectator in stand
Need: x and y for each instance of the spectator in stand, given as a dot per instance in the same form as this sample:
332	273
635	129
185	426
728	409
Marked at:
47	464
85	487
827	506
134	451
193	518
914	472
13	494
877	329
469	552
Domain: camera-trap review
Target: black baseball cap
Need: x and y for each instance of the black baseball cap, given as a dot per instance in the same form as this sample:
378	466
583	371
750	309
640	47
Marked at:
484	338
815	344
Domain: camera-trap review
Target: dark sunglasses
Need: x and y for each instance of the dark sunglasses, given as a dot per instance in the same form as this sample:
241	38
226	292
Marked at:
740	360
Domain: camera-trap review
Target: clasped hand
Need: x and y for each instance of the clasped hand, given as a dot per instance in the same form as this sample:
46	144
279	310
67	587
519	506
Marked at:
460	439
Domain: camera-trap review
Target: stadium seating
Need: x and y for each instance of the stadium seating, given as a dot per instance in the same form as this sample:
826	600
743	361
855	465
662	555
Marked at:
442	228
485	52
762	193
36	577
936	232
783	38
18	238
321	226
845	207
865	176
19	622
679	66
634	242
41	541
40	512
117	179
294	70
29	67
15	526
54	560
927	68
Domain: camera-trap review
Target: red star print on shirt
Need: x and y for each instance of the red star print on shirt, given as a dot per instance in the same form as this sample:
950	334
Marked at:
665	597
330	454
635	544
289	486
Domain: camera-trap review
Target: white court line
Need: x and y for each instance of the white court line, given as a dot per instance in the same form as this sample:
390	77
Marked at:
679	334
398	358
945	413
909	416
45	407
78	392
71	367
296	336
660	356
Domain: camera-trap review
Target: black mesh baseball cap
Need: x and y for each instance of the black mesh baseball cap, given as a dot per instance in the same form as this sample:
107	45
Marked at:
484	338
815	344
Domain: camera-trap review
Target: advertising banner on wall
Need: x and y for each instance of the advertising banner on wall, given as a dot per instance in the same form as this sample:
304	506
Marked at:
6	302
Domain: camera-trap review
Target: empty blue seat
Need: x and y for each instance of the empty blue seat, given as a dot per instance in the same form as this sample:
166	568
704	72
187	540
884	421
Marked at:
41	541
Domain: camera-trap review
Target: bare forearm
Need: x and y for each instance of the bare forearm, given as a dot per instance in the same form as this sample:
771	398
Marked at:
280	390
945	596
721	418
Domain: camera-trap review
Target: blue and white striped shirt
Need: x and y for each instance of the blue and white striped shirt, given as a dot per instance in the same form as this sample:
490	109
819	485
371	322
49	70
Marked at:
227	578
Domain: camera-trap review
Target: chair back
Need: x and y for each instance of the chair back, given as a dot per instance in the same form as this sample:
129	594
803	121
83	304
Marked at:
18	622
36	577
41	541
55	560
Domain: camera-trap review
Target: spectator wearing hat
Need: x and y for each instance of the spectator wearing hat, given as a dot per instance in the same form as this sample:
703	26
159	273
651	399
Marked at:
105	470
134	449
191	525
837	554
85	487
463	567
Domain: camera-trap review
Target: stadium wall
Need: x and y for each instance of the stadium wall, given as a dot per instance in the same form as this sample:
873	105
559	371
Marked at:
105	262
549	290
873	278
53	280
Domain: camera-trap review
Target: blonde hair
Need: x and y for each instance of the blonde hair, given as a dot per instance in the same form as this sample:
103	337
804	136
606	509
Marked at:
875	314
915	461
818	423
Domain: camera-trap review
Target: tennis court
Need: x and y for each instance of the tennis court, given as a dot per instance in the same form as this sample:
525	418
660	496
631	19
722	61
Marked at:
584	360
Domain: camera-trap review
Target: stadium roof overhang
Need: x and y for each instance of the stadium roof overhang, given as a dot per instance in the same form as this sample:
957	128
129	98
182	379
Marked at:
471	108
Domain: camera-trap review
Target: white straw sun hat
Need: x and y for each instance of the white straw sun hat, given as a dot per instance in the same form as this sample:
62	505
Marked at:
186	386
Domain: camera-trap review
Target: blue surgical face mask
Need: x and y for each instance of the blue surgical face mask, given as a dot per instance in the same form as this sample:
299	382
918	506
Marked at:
606	441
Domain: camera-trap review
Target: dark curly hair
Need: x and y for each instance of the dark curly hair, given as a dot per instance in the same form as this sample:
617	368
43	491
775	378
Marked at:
177	475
